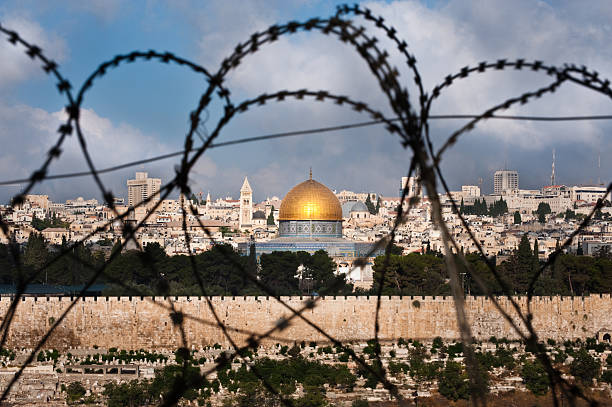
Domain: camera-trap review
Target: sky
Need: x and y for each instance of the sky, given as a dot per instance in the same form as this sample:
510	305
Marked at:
141	110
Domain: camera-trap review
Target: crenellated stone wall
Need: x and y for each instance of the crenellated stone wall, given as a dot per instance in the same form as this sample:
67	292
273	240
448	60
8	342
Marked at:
135	322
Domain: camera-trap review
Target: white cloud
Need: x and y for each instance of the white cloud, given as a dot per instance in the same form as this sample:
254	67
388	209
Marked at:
443	39
16	65
28	133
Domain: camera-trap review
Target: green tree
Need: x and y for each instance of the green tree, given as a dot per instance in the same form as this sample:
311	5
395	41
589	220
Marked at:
378	203
498	208
224	230
413	274
535	377
370	205
517	218
584	367
36	253
278	271
322	269
453	382
542	218
130	394
174	382
520	268
543	208
7	264
569	214
270	221
74	392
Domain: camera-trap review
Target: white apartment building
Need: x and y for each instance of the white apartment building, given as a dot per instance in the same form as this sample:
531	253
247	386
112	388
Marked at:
589	194
142	188
470	190
505	180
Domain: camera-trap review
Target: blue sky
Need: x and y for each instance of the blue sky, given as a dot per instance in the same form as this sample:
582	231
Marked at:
141	110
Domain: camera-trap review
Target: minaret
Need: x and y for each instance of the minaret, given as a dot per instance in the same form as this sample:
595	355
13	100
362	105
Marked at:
246	205
552	176
268	207
208	202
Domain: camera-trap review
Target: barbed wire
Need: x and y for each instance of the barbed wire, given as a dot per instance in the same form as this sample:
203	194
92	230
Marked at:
304	132
409	121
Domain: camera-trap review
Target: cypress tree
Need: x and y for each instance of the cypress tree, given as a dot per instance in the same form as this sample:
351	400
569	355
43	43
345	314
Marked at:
542	218
270	220
377	209
370	205
462	207
517	218
522	266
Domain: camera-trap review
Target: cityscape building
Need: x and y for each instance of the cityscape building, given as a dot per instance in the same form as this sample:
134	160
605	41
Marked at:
142	188
504	180
470	191
414	187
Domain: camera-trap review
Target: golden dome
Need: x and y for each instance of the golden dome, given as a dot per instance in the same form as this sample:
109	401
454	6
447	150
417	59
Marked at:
310	200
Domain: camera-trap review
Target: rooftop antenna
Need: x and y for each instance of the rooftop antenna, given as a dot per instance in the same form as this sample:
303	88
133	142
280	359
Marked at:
552	176
599	168
311	173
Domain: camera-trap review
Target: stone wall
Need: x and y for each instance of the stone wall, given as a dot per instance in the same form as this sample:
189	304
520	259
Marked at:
135	322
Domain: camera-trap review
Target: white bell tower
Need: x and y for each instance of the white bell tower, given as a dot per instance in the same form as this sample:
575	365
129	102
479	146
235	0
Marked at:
246	205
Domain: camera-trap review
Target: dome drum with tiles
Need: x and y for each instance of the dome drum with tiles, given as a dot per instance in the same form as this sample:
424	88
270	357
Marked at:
310	209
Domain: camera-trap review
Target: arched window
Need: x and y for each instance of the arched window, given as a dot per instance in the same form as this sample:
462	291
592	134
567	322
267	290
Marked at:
606	337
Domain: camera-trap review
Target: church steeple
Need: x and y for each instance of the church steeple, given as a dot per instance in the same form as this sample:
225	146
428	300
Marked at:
246	187
246	205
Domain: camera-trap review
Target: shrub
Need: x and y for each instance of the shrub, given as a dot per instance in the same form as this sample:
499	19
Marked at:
75	391
560	357
453	382
373	348
294	351
454	349
535	377
584	367
133	393
416	304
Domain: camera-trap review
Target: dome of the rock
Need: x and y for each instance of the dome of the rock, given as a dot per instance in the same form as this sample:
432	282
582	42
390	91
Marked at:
310	210
310	200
